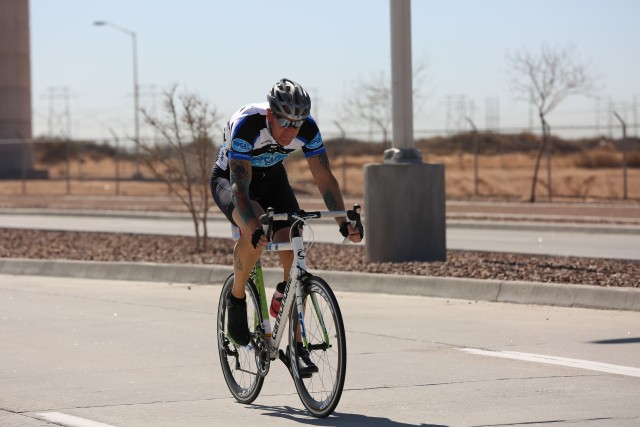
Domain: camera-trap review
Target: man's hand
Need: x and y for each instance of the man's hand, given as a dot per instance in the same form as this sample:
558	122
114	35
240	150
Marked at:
354	234
258	238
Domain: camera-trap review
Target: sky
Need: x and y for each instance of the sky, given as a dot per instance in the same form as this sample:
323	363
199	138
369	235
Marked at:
231	52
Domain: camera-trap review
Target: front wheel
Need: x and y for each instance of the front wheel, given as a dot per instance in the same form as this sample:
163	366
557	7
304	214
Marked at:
320	391
239	364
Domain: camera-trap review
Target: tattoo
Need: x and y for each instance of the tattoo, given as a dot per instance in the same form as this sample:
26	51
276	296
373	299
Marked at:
238	261
324	160
240	180
238	169
330	200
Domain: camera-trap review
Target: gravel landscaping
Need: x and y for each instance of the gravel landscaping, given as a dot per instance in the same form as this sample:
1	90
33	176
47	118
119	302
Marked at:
19	243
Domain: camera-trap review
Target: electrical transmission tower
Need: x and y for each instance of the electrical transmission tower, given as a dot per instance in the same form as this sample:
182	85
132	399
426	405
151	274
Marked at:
59	116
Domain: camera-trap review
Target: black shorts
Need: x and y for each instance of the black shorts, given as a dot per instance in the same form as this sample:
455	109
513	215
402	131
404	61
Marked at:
269	187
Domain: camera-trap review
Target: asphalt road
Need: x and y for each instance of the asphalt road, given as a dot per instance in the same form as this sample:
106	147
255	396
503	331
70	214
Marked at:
519	237
83	352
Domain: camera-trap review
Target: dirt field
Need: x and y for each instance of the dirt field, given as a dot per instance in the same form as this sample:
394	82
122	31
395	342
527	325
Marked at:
500	177
507	177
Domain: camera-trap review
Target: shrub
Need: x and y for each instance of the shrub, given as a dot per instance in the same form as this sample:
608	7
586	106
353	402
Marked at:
598	158
633	159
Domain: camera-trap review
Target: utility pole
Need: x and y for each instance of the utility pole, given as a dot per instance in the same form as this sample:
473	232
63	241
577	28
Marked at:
547	131
610	115
624	155
136	93
405	198
475	157
59	123
148	91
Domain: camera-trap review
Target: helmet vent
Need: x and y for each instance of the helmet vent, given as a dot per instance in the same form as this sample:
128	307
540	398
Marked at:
288	99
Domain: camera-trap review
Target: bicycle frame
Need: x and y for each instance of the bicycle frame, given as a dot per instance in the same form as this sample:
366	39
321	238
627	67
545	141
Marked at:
294	285
296	274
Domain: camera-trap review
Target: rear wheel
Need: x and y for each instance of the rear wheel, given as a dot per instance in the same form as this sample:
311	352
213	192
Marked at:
239	364
319	392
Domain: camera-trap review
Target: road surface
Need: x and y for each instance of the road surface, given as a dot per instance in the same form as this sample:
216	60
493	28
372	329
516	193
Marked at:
83	352
549	239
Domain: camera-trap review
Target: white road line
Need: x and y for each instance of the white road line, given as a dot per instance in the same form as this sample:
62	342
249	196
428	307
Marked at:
69	420
563	361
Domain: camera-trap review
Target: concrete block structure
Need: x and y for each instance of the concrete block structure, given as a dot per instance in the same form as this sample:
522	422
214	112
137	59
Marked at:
405	216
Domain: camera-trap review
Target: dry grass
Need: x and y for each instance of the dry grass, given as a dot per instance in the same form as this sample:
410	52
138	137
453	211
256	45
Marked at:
506	177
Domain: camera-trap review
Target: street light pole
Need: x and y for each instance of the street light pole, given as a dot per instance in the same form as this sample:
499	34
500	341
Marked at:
136	92
624	155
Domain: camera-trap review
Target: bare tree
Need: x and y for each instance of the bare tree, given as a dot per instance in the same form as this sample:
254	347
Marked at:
182	157
369	101
545	79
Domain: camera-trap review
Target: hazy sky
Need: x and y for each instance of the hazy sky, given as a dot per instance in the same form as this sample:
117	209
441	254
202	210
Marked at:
231	53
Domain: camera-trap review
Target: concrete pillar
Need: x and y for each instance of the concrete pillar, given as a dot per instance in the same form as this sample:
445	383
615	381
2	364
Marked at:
405	212
404	198
15	88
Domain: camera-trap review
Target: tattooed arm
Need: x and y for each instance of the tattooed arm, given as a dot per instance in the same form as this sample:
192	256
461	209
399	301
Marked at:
327	183
240	180
330	190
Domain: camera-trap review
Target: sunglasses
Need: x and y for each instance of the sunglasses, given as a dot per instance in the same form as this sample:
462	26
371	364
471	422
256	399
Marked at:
286	123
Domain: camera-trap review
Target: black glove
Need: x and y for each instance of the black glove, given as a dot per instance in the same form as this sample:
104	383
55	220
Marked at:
255	237
344	229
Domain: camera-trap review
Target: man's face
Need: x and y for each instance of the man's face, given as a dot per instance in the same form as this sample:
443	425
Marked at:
282	135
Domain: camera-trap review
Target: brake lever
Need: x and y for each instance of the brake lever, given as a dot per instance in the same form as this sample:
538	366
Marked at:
354	218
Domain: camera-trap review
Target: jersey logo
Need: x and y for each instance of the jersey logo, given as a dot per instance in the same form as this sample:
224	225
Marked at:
315	142
266	159
240	145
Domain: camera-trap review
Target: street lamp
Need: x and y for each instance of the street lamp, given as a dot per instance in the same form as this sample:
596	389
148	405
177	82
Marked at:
135	87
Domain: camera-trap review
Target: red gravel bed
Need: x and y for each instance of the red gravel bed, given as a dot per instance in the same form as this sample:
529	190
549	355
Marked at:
38	244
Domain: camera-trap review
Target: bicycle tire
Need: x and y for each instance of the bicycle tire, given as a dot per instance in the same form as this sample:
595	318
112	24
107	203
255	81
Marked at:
320	392
239	363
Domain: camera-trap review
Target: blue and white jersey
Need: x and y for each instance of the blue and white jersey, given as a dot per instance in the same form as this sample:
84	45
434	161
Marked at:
247	137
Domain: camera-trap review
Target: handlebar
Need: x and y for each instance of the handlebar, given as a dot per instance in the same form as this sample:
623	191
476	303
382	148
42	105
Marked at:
353	215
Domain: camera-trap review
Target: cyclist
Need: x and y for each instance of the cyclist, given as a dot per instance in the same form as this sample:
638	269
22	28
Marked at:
248	177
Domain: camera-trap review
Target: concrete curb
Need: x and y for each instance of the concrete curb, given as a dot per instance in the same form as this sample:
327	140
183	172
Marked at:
562	295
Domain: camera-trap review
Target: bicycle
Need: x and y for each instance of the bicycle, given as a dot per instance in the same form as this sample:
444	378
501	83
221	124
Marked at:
315	318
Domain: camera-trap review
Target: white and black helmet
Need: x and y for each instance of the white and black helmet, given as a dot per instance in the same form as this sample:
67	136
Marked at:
288	100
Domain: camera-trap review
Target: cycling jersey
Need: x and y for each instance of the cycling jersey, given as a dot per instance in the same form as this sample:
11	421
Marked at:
247	137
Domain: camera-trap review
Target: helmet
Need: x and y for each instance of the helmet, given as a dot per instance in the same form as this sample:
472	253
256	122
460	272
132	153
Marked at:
287	99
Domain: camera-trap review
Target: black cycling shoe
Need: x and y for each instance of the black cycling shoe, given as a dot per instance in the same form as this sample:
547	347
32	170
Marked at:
237	327
305	364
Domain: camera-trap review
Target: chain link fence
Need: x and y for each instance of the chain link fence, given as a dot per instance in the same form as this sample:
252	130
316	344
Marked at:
480	165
